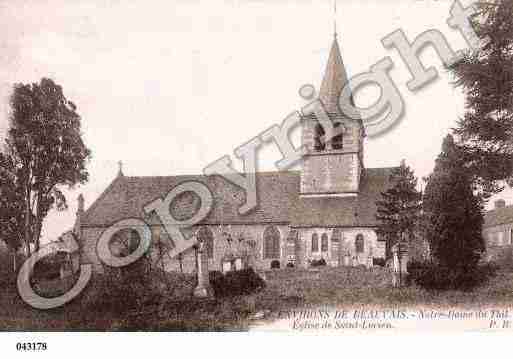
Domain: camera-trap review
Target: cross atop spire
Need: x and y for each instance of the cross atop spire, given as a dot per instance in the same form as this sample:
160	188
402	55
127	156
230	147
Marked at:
120	171
335	18
335	78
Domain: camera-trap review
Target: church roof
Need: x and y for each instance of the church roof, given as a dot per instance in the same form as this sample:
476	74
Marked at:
335	78
345	211
279	201
278	193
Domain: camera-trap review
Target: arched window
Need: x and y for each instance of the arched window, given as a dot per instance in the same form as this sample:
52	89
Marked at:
359	243
337	141
271	243
319	144
336	236
124	242
324	242
315	242
205	235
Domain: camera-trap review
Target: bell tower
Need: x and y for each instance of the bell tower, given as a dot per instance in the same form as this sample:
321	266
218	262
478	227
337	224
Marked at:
332	168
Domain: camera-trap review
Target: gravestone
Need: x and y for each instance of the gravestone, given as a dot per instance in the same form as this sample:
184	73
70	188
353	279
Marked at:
227	266
370	262
347	260
228	262
238	263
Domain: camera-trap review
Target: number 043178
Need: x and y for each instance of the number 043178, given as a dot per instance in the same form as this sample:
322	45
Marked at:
31	346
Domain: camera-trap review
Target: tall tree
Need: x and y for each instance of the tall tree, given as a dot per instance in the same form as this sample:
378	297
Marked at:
486	76
399	209
45	137
453	211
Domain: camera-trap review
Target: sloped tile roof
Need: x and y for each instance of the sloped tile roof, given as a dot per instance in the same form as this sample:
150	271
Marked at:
498	216
346	211
278	200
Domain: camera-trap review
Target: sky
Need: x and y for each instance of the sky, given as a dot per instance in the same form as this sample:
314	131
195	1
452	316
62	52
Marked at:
168	87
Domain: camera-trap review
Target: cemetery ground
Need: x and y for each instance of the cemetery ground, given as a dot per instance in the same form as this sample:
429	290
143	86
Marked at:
285	289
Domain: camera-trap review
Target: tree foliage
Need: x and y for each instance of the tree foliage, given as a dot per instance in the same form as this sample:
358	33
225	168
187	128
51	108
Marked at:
44	144
486	76
453	211
399	209
12	214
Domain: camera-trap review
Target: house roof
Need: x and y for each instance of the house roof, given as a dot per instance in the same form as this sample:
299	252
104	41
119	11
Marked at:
498	216
278	196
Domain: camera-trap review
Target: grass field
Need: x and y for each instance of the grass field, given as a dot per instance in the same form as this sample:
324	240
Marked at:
286	289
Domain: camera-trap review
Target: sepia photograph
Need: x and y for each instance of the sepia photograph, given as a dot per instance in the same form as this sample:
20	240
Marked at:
331	168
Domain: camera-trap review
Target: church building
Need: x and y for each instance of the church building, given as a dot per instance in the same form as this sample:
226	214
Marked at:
327	210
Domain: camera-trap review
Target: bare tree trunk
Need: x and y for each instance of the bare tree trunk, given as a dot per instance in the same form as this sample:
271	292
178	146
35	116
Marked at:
161	256
37	226
27	224
37	235
196	257
14	264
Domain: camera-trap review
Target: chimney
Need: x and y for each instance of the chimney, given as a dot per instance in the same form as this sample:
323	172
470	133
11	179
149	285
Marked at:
500	203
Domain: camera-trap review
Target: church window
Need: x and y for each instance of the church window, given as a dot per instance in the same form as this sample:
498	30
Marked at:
336	236
271	243
337	141
359	243
124	242
205	235
511	236
319	144
324	242
315	242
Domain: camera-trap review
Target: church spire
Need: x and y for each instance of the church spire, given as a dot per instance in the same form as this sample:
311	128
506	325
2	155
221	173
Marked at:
335	78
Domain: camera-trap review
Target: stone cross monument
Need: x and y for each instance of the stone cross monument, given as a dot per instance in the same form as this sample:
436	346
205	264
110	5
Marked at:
203	289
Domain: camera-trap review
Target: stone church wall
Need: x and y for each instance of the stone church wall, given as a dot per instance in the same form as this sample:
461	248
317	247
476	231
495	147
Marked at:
88	239
331	170
336	250
252	247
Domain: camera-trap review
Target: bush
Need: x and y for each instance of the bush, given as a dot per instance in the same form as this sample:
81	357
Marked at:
275	264
318	262
379	262
215	276
433	277
48	268
234	283
7	274
120	290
